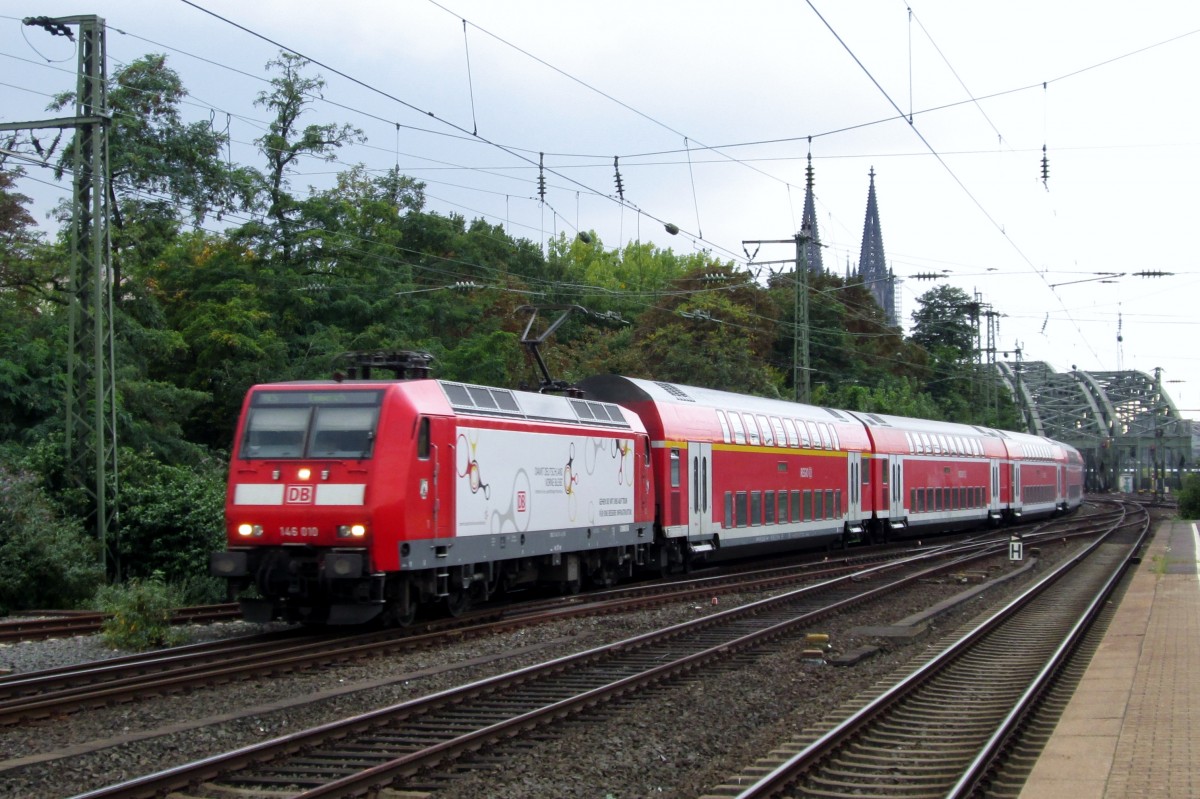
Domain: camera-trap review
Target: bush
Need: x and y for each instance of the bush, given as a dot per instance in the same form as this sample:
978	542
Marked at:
46	559
172	517
140	614
1189	498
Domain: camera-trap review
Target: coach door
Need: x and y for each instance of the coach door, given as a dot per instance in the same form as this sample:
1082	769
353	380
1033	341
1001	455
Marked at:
855	478
700	523
1017	502
994	500
896	509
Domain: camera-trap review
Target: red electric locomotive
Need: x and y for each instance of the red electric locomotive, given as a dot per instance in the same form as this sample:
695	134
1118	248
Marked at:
356	499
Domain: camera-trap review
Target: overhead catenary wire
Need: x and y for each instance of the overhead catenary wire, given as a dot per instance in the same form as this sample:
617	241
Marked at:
689	147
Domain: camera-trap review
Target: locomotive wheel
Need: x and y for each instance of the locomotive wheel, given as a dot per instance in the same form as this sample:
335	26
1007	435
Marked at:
458	602
395	612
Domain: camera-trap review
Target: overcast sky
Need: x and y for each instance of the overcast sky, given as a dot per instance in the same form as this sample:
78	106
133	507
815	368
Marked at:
712	113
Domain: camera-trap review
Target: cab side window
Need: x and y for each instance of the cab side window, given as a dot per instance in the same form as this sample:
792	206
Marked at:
423	438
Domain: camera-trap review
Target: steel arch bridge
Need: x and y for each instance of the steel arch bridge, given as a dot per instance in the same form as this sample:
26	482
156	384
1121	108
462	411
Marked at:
1125	425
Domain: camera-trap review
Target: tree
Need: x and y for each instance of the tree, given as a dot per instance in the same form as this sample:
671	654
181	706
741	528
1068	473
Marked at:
944	324
162	169
291	94
944	327
712	329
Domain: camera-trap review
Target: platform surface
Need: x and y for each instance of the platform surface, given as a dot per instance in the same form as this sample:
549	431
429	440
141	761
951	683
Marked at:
1132	729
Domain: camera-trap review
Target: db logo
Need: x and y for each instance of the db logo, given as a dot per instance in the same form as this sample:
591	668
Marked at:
520	502
299	495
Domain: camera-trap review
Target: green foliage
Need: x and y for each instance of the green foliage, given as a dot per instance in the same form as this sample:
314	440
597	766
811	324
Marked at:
1189	498
46	559
172	517
140	613
898	397
944	322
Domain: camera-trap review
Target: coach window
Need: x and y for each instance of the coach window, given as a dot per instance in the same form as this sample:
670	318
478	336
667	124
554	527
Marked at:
782	516
808	505
819	505
826	441
728	509
792	438
769	507
796	517
423	438
883	470
675	468
780	434
740	504
724	427
803	428
755	508
834	437
837	504
646	451
751	429
913	500
768	438
739	432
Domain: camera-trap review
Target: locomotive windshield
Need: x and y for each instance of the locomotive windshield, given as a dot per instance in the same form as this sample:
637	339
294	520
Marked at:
311	424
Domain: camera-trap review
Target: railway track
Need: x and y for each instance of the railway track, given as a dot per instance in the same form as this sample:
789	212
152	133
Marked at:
54	692
398	745
27	697
946	729
37	625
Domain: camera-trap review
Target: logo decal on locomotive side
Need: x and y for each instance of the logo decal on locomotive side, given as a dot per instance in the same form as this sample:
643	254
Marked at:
299	494
520	502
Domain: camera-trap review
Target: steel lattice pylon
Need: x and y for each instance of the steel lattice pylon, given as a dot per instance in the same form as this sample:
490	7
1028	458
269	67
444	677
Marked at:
1124	423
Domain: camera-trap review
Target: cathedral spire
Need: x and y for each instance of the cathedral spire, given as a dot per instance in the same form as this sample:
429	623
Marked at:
872	263
808	225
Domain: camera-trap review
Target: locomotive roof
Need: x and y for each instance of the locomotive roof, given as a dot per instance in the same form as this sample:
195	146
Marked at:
476	400
490	401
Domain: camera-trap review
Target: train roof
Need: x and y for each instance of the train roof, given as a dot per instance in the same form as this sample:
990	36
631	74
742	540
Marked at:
616	388
912	424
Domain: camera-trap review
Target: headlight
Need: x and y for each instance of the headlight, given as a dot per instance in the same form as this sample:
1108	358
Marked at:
352	530
247	530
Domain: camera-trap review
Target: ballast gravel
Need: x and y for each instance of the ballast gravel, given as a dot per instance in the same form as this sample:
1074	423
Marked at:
676	740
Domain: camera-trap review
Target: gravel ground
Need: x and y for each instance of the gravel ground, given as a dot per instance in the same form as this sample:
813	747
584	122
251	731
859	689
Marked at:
673	741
